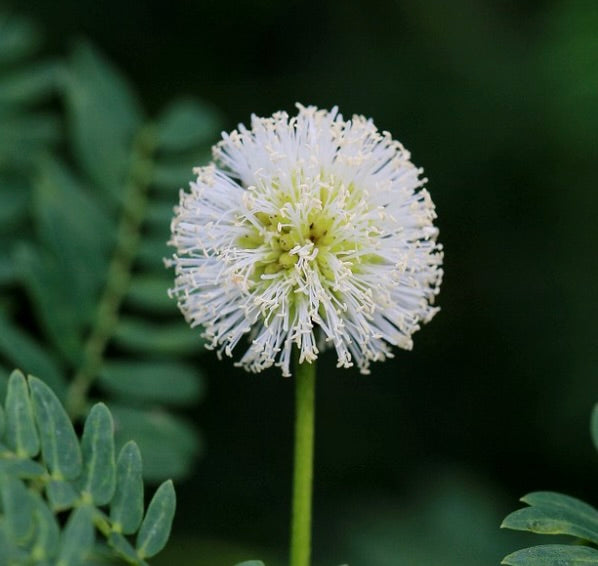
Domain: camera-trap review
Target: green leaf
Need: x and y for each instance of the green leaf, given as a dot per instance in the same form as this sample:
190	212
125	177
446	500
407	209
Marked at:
594	426
21	468
124	548
165	382
553	555
44	280
78	236
126	508
17	507
18	347
78	537
25	137
155	529
187	124
104	116
60	447
174	175
28	131
150	293
61	495
551	522
7	547
21	434
167	338
152	252
4	376
97	446
554	513
85	225
47	532
553	500
18	37
30	85
168	444
14	202
160	213
8	272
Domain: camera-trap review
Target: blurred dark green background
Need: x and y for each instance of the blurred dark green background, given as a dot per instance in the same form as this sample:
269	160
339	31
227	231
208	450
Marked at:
498	101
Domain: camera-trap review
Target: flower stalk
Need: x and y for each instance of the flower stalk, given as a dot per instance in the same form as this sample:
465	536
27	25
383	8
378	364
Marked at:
305	381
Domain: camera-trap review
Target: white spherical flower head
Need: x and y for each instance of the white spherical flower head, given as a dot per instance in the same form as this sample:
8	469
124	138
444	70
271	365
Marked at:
309	230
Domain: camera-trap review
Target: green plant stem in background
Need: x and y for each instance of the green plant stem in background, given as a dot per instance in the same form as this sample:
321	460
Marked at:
305	381
119	271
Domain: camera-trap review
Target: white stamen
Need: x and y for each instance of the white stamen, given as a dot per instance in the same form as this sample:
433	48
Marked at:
307	223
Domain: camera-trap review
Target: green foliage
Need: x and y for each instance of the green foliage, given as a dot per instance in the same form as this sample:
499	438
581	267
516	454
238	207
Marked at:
28	125
552	513
155	528
27	128
18	37
46	472
553	555
83	242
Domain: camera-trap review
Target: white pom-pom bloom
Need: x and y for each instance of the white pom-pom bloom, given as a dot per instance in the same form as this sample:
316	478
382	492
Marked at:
309	230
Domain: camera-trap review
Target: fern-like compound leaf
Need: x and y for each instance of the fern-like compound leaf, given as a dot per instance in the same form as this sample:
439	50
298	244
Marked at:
81	478
72	255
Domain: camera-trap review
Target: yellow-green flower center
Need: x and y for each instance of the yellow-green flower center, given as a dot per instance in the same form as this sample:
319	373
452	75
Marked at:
313	218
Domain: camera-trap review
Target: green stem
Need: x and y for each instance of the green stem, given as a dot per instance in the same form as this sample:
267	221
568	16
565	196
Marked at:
119	272
305	381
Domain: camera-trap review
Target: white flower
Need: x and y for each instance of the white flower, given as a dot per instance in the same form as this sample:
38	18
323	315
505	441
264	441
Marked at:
309	230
